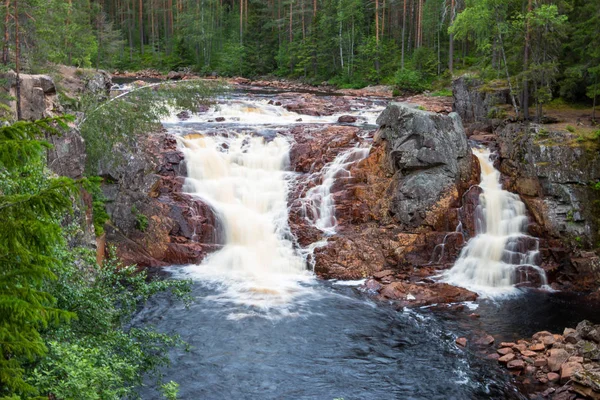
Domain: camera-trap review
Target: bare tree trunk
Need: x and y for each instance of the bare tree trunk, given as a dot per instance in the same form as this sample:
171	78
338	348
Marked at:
526	65
5	53
377	22
141	22
451	41
17	63
403	34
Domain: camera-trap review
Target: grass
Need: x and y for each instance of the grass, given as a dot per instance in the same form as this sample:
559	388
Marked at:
441	93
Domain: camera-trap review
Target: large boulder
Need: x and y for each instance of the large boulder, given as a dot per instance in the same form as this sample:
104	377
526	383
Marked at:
428	157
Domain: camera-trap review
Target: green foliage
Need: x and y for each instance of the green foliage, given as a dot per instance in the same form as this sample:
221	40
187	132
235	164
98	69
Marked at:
65	322
410	80
29	236
170	390
99	356
141	221
115	124
442	93
570	128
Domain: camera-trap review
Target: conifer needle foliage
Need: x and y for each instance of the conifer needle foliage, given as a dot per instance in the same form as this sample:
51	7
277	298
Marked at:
29	235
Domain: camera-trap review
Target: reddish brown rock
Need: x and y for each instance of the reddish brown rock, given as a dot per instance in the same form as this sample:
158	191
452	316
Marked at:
568	369
347	119
410	294
506	358
529	353
556	358
383	274
515	364
487	340
553	377
147	186
504	351
462	342
540	362
548	340
537	347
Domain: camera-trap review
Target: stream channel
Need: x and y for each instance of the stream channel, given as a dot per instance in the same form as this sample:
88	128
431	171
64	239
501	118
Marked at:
263	327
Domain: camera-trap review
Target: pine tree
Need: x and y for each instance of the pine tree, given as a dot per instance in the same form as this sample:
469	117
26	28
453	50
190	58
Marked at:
30	206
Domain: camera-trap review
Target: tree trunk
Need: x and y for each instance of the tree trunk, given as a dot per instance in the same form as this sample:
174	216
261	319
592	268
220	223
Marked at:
141	22
403	34
241	22
451	41
17	63
5	52
377	22
526	65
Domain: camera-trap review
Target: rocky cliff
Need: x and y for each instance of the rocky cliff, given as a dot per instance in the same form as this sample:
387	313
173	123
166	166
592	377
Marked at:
556	174
152	223
554	171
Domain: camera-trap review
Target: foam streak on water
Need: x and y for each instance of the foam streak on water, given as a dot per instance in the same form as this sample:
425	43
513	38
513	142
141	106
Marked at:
492	261
243	179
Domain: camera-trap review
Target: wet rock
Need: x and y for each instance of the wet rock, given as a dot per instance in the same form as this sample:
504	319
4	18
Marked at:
548	340
409	294
183	115
551	175
556	358
145	182
347	119
462	342
220	119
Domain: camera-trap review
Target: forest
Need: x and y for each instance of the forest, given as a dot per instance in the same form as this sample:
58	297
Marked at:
545	49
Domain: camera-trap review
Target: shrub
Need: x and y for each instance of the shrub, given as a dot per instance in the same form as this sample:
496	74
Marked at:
410	80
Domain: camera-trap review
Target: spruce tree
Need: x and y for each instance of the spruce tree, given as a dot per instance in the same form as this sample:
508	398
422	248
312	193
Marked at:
30	206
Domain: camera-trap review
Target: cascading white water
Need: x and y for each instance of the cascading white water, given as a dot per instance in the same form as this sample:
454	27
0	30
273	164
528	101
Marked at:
318	205
490	261
261	112
243	179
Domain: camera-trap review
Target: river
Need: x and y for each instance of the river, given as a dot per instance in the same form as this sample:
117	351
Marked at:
263	327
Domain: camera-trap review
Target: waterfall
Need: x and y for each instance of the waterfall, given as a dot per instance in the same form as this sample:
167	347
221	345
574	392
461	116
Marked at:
244	179
501	253
318	205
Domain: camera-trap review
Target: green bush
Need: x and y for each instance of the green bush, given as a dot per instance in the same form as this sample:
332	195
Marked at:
410	80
